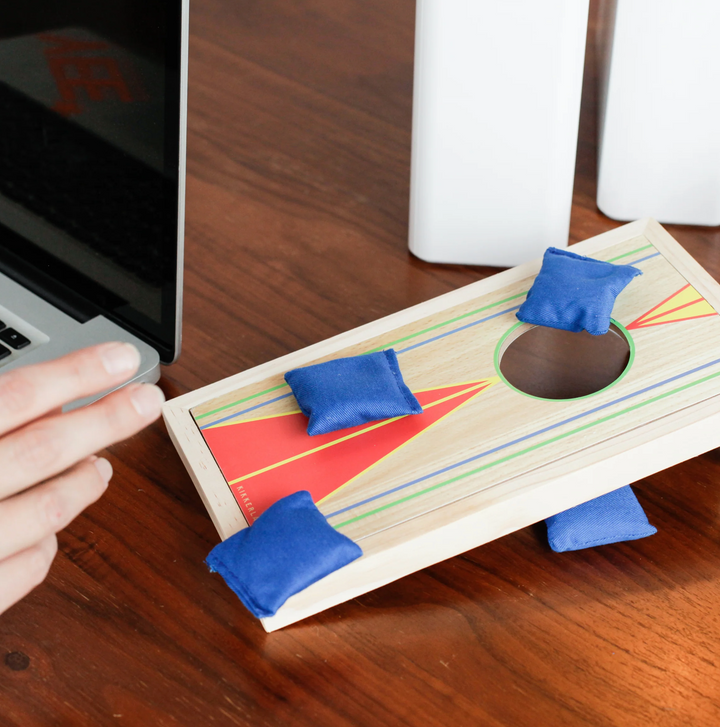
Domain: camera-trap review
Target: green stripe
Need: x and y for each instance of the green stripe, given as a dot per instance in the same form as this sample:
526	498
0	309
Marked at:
484	308
374	350
242	401
627	254
406	338
447	323
525	451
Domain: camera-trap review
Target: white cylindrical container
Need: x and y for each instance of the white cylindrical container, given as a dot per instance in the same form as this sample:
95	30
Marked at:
660	120
495	121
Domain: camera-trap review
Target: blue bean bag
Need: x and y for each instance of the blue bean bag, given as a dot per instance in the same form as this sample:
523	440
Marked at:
575	293
350	391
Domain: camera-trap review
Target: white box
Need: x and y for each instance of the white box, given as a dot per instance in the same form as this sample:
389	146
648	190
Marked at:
660	123
495	122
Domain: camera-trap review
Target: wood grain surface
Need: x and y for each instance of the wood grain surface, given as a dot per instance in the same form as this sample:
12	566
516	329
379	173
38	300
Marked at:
298	169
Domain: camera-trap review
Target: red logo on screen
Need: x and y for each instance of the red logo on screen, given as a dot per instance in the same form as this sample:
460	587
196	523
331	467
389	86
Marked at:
83	70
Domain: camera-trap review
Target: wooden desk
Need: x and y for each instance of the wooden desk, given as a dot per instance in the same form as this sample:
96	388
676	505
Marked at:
298	151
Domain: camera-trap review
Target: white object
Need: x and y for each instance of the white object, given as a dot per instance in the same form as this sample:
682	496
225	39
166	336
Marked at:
495	122
660	134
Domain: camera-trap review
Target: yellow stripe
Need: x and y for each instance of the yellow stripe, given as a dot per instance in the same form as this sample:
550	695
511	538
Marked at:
487	382
257	419
687	295
492	379
696	310
491	383
297	411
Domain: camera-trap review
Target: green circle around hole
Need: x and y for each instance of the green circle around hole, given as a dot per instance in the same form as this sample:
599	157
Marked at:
619	326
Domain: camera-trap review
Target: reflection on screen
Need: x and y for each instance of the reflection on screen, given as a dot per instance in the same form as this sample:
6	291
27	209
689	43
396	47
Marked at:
88	149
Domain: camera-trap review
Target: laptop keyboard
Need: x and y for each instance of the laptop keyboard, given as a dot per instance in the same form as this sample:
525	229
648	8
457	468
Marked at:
18	337
14	339
82	185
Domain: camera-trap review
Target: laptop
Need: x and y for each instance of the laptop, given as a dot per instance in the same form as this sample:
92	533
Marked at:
92	172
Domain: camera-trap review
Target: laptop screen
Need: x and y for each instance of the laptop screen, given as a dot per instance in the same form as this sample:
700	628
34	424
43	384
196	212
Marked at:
90	159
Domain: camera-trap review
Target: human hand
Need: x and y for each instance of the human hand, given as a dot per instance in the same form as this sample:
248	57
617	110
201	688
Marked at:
48	473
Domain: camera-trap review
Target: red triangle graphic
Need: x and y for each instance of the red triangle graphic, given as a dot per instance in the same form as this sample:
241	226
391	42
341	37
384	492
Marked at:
266	459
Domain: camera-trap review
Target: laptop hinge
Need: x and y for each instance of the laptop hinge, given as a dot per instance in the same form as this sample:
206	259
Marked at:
44	286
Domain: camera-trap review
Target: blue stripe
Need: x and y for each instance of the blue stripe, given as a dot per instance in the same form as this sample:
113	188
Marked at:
457	330
643	259
409	348
245	411
524	438
403	350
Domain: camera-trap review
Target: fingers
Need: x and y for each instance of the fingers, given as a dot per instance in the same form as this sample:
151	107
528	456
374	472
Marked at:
39	444
30	392
29	521
49	446
20	573
34	515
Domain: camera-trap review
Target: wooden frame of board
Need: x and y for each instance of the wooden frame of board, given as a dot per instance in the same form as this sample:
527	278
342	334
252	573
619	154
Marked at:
488	459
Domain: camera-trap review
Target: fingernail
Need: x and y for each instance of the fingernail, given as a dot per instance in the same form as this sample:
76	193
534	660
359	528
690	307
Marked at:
104	468
120	358
147	400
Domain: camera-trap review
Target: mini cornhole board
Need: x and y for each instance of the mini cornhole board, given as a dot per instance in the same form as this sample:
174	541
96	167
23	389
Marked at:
484	459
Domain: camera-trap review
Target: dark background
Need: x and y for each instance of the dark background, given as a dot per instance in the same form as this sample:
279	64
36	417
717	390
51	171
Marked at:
135	24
